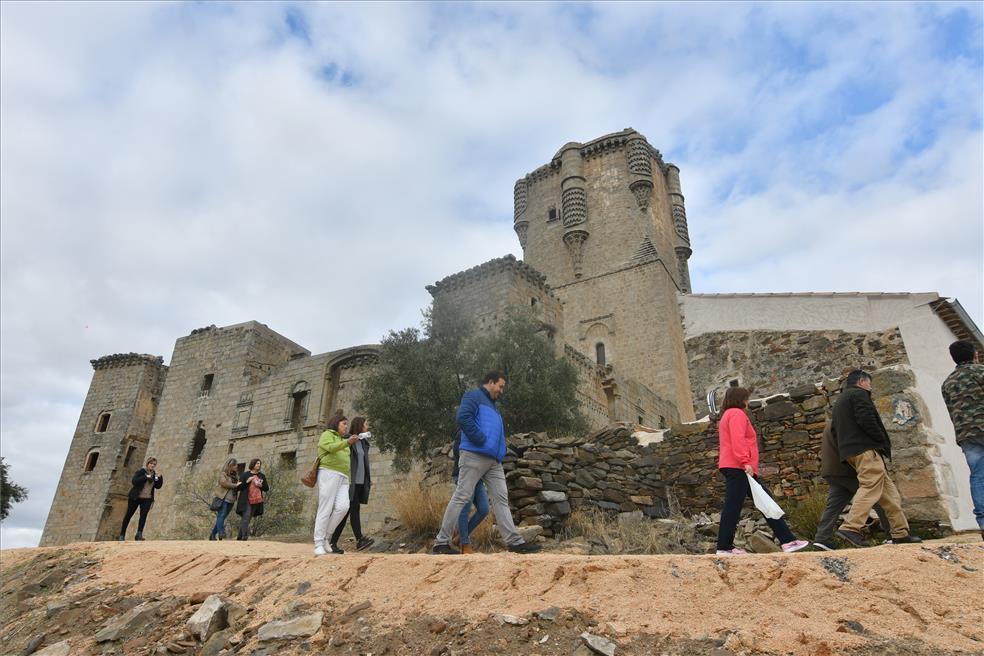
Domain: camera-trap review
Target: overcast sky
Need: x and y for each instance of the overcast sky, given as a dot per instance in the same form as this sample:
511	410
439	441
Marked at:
168	166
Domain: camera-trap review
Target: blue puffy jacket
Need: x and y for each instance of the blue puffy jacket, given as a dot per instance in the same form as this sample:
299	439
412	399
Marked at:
481	425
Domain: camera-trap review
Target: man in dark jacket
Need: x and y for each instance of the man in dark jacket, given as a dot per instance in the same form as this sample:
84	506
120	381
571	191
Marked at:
863	443
482	441
144	482
842	484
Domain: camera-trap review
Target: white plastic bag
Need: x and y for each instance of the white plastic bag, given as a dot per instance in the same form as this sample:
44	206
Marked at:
766	504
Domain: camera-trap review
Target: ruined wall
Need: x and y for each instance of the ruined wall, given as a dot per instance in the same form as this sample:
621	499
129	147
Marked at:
605	226
770	362
89	503
611	471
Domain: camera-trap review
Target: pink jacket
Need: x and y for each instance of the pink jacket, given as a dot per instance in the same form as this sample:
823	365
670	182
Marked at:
737	440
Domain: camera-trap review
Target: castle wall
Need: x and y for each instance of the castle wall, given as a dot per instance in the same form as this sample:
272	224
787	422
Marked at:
89	505
925	337
769	362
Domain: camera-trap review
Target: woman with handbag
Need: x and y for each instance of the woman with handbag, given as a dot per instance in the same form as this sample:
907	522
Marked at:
333	480
359	488
738	460
225	496
253	483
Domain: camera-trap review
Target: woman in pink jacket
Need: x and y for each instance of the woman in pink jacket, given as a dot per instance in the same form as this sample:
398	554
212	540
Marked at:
739	458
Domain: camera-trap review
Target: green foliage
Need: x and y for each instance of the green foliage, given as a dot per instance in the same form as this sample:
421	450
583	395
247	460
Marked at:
541	389
282	507
10	492
413	394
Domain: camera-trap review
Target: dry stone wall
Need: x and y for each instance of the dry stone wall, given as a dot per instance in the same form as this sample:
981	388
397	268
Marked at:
608	469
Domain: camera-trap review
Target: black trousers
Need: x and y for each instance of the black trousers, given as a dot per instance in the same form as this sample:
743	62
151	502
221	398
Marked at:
131	507
736	490
352	515
839	494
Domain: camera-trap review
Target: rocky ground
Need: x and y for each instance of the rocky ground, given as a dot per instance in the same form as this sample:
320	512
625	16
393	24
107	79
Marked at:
257	597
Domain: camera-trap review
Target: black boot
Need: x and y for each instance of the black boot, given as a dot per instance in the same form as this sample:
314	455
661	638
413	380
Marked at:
122	538
138	536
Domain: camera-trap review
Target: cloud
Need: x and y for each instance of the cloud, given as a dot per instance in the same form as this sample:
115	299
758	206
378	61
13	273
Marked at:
313	166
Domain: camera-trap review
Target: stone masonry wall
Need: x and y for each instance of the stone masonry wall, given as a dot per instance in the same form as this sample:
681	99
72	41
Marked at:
609	470
770	362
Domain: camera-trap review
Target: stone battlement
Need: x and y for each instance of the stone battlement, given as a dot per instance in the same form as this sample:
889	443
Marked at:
126	360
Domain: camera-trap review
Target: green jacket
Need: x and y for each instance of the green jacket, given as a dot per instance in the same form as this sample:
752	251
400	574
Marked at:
333	452
963	391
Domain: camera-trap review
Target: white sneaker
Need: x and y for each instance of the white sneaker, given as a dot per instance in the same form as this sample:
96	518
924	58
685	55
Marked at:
320	550
731	552
795	545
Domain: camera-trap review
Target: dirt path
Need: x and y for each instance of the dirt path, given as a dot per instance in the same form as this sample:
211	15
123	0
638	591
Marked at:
806	603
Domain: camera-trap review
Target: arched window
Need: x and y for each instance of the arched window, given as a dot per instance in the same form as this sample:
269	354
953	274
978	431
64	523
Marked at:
91	459
297	405
600	353
102	424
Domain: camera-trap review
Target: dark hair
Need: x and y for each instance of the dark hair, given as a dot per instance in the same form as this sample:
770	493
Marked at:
336	420
357	426
150	460
735	397
252	463
856	376
493	376
962	351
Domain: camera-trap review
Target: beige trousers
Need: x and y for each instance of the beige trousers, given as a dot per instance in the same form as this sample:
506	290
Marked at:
874	486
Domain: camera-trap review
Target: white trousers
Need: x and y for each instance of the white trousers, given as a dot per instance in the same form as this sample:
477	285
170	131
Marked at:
333	503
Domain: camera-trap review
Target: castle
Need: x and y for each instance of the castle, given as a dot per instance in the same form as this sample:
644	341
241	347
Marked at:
603	228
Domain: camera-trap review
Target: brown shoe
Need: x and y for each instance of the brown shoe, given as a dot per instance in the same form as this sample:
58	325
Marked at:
467	549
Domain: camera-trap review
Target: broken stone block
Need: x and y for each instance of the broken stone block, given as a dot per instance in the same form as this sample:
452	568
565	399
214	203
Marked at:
209	618
510	619
58	649
299	627
759	542
598	644
126	625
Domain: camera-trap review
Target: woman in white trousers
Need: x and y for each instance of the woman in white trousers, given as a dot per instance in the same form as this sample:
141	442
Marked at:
333	481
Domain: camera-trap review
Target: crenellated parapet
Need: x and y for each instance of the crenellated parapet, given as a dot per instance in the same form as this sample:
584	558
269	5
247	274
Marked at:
490	269
126	360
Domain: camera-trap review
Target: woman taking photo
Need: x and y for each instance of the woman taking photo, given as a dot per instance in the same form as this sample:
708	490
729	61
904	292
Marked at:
144	482
226	490
253	483
359	487
739	459
333	480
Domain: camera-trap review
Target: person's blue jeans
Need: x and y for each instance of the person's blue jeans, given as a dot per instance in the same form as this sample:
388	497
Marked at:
219	527
467	524
974	453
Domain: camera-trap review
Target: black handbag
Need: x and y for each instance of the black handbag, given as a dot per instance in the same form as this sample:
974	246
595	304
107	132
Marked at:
216	504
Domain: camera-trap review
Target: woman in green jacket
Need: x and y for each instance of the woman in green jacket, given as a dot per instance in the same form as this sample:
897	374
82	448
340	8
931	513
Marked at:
333	480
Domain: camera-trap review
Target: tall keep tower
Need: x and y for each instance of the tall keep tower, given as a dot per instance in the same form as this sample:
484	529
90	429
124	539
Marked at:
605	222
109	445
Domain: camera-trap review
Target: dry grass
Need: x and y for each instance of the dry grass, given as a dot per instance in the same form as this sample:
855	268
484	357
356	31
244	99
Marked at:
420	508
633	536
804	515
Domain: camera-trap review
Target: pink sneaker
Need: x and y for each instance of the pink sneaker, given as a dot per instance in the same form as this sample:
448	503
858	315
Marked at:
795	545
731	552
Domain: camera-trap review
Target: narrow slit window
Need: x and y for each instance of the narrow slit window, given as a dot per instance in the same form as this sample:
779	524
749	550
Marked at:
130	450
288	460
552	214
207	385
197	443
600	353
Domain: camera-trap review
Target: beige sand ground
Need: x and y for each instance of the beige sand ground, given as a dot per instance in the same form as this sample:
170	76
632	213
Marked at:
776	603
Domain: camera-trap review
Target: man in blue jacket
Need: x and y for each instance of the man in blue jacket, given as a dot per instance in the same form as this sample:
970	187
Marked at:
482	440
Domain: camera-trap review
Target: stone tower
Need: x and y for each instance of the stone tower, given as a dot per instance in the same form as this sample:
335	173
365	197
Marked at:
605	222
109	445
